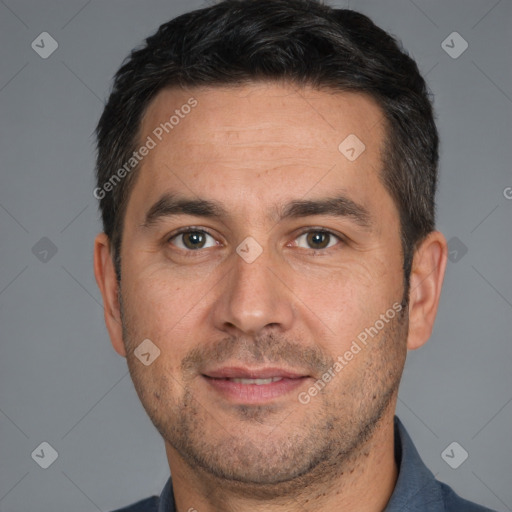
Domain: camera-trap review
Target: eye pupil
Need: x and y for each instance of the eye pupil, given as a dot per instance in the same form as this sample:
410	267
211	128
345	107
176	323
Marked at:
318	239
197	239
194	240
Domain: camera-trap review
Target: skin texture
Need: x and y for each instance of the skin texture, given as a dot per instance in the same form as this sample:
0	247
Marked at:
299	305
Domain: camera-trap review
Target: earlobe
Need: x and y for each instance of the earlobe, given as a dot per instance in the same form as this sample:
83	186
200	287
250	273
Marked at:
426	281
104	272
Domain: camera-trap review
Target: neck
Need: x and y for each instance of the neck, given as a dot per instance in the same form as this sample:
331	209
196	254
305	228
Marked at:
363	482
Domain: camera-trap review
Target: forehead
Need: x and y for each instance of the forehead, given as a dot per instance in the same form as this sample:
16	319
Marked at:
260	143
259	111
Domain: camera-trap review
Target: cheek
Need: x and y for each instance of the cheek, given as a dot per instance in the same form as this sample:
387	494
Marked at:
336	286
340	302
155	308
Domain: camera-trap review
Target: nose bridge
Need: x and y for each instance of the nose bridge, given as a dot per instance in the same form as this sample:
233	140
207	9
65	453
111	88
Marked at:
252	297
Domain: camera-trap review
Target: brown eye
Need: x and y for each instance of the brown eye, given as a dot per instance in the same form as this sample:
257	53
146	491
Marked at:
317	240
192	240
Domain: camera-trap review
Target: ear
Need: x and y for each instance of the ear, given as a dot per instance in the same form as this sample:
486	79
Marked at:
104	272
427	274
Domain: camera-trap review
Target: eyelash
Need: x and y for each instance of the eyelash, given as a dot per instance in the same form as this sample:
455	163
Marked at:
192	229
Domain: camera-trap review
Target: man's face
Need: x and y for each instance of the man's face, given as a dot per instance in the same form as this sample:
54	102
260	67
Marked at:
221	316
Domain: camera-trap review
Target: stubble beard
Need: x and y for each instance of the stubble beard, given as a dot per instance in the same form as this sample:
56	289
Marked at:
329	440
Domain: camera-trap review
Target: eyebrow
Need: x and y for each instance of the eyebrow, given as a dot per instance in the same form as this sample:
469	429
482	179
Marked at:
338	206
171	205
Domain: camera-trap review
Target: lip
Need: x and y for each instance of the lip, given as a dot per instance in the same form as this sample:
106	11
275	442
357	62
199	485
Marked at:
240	372
220	382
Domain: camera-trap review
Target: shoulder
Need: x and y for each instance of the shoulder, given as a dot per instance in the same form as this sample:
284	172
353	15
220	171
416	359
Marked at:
417	489
454	503
147	505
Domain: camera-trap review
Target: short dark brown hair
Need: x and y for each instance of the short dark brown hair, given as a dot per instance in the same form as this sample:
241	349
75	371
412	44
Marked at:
303	42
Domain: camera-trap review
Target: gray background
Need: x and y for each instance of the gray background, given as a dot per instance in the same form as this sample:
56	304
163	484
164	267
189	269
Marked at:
61	381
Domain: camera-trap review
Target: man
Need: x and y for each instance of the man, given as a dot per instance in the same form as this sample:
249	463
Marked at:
266	175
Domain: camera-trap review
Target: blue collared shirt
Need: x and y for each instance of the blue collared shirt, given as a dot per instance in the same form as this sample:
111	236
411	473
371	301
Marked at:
416	489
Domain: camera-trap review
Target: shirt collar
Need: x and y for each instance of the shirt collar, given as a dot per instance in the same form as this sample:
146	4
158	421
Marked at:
416	487
166	501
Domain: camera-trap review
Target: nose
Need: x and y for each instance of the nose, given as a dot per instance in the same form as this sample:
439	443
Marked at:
253	297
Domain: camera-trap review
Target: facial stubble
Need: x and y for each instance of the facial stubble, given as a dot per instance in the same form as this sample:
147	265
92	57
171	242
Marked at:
268	448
